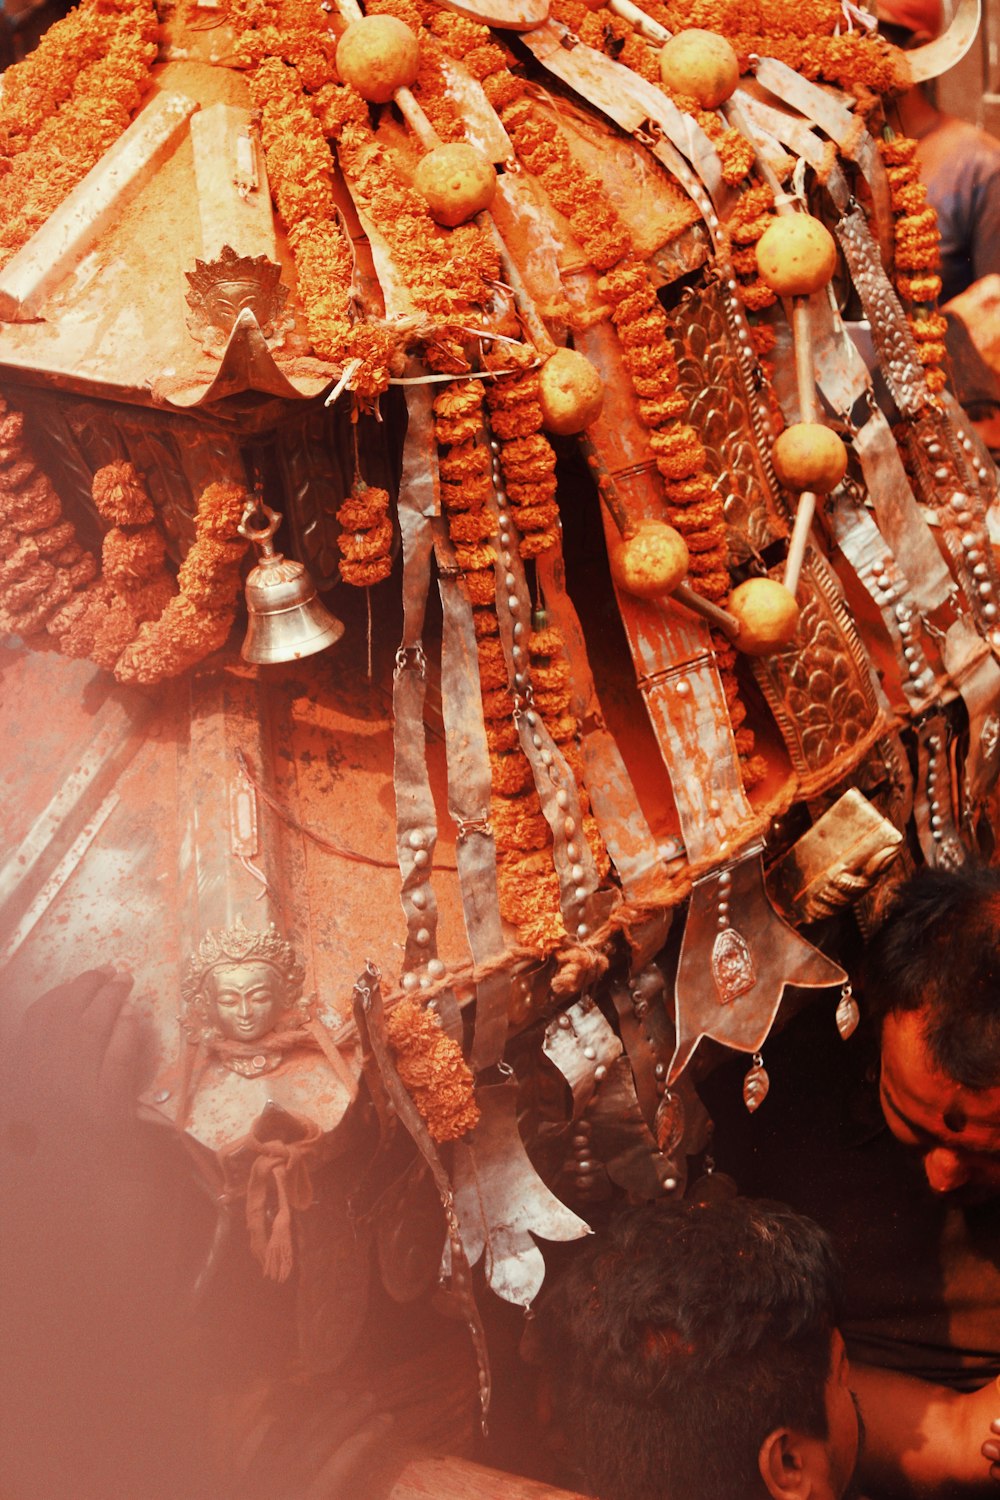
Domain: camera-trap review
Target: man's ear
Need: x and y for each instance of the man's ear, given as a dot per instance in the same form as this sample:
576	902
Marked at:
782	1465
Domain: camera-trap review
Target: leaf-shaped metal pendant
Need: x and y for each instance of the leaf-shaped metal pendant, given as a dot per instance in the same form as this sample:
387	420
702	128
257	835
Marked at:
668	1126
755	1085
848	1014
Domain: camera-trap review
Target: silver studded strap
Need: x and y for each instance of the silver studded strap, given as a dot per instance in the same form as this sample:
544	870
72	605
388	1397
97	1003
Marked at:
469	804
933	804
416	821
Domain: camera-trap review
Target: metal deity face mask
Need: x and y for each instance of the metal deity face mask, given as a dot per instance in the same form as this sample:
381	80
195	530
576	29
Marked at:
241	985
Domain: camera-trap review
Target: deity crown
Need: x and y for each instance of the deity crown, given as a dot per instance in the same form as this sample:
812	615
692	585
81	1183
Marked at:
224	946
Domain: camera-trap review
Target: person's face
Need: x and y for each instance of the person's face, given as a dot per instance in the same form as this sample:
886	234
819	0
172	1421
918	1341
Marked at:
955	1130
245	999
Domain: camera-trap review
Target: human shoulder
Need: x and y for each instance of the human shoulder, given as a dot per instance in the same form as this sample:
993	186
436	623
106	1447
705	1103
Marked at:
965	145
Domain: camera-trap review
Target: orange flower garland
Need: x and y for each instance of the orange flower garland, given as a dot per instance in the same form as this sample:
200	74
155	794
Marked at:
433	1071
917	254
198	619
801	35
692	504
300	174
527	459
41	561
365	540
65	104
135	585
527	883
294	84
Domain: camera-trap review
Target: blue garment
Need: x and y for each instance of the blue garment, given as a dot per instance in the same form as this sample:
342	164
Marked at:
961	167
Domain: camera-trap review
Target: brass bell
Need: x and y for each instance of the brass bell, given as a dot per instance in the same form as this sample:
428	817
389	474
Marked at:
288	620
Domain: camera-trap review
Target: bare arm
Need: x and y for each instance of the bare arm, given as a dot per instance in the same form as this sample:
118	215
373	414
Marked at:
923	1439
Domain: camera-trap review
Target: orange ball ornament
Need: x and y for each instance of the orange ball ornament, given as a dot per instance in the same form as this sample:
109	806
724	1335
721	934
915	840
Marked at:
767	613
701	64
809	456
651	562
571	393
378	55
796	256
458	182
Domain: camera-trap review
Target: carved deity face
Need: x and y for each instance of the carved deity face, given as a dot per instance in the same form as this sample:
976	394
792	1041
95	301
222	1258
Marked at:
245	1000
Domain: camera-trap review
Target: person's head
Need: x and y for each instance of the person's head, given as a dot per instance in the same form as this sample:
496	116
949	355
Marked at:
932	982
692	1353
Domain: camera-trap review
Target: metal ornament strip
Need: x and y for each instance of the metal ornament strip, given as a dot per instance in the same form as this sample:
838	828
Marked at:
717	374
622	1141
754	955
671	647
933	804
974	671
503	1204
416	819
946	480
820	688
877	571
899	518
581	1044
469	803
894	343
949	486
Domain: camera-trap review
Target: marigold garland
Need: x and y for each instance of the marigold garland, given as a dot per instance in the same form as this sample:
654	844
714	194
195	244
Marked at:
199	617
41	561
801	35
433	1071
65	104
636	313
917	254
527	883
134	585
299	169
448	274
365	540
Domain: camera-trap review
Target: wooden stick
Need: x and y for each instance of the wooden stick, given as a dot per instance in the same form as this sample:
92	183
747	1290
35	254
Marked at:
416	119
804	513
650	29
805	377
721	619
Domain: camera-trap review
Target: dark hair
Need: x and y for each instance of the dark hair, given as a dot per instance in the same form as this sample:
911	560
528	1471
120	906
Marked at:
938	951
683	1335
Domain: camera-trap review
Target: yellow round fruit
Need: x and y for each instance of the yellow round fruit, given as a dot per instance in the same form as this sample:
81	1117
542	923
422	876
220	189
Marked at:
651	562
571	392
458	182
796	255
700	64
767	613
378	55
809	456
